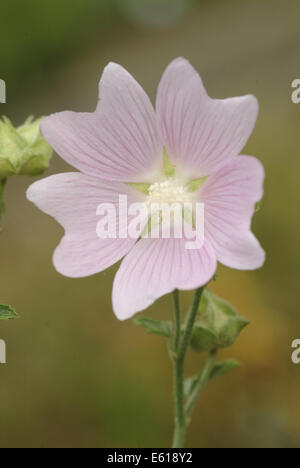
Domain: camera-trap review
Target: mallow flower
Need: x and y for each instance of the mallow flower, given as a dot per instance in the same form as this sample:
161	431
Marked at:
187	149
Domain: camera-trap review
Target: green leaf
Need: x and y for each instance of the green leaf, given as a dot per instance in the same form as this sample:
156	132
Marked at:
223	367
220	368
7	312
217	325
157	327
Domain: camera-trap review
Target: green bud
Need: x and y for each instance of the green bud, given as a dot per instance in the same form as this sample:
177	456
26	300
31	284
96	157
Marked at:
23	150
217	325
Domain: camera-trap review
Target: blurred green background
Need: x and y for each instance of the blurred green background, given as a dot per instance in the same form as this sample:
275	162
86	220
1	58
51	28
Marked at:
76	377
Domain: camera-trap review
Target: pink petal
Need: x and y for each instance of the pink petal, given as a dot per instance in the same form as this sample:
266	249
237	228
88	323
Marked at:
155	267
229	197
199	132
117	142
72	199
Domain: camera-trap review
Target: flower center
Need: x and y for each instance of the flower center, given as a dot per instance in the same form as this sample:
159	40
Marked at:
168	192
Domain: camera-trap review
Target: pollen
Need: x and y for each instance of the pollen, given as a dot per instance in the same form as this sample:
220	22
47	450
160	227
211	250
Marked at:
168	192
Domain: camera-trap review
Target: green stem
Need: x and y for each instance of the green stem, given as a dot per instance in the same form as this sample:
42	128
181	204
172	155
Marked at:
178	377
176	320
203	379
189	324
2	206
178	365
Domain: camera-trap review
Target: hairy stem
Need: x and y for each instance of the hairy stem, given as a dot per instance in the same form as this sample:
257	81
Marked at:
176	320
178	355
202	381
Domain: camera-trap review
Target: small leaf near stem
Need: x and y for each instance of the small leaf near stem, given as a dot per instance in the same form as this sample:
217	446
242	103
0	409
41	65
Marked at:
156	327
203	379
223	367
219	369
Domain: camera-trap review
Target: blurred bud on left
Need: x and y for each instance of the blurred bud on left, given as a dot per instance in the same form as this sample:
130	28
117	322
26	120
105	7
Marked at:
23	150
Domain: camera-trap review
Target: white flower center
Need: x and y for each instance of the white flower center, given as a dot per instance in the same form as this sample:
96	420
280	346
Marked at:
168	192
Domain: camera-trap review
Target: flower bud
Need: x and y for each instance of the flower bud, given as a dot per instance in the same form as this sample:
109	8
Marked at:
217	325
23	150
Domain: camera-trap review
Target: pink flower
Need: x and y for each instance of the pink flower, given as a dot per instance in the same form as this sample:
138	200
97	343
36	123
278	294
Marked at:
123	142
